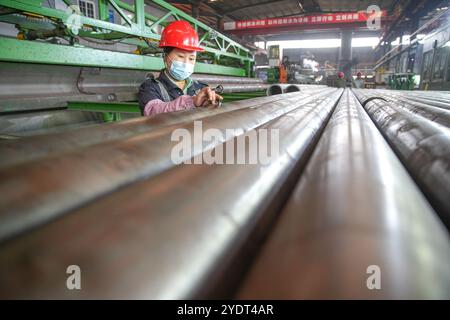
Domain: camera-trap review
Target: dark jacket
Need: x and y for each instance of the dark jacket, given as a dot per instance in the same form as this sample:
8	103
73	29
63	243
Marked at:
149	90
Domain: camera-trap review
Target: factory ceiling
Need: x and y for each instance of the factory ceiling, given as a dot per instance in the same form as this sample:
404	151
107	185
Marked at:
404	15
259	9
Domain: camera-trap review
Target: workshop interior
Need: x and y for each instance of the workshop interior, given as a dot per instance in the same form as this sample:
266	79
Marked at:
218	149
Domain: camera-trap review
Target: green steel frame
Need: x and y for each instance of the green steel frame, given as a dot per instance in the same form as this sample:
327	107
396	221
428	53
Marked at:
139	30
124	107
13	50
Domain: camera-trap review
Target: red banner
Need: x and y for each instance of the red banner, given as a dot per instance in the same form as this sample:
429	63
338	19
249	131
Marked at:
330	18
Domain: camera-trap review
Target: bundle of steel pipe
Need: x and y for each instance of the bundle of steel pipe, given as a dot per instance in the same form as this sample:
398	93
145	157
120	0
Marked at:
336	205
55	184
25	87
206	237
432	95
30	148
429	98
422	145
437	115
355	212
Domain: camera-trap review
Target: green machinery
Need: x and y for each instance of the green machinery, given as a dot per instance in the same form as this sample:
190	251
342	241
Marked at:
273	73
402	81
37	24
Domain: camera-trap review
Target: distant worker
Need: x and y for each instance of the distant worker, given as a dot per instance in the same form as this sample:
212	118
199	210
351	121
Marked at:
283	73
341	82
174	90
358	83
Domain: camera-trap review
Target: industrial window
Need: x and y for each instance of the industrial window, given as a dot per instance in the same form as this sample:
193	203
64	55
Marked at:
87	8
403	65
448	66
439	64
427	57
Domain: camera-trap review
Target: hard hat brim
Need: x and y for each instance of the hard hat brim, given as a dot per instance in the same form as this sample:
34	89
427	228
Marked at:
187	48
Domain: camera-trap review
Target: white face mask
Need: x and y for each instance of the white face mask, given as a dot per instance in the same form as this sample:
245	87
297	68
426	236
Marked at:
180	70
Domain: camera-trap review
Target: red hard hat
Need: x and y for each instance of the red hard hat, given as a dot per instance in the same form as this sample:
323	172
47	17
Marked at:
180	34
341	74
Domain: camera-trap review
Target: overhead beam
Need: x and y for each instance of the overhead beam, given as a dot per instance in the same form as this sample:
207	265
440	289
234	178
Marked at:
215	11
320	34
312	7
251	6
410	8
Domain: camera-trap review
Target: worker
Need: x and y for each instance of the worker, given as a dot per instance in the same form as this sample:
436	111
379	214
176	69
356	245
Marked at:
283	73
340	82
174	89
358	83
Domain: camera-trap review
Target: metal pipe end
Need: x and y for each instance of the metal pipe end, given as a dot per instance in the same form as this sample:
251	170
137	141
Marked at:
292	88
274	89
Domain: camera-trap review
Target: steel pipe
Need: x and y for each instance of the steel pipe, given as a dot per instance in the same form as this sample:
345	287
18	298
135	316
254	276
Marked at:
108	79
167	237
61	182
422	145
275	89
244	87
355	212
31	148
226	79
38	122
292	88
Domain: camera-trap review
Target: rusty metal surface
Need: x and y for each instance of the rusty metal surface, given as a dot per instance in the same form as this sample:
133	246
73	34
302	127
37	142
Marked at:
355	206
185	233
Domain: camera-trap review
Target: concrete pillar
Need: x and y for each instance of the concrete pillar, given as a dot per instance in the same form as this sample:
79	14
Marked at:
220	23
345	54
195	9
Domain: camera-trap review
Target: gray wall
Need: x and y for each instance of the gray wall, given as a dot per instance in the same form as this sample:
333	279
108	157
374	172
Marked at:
366	55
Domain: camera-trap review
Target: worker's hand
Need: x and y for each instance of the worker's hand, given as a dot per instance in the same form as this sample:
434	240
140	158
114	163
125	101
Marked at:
206	97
